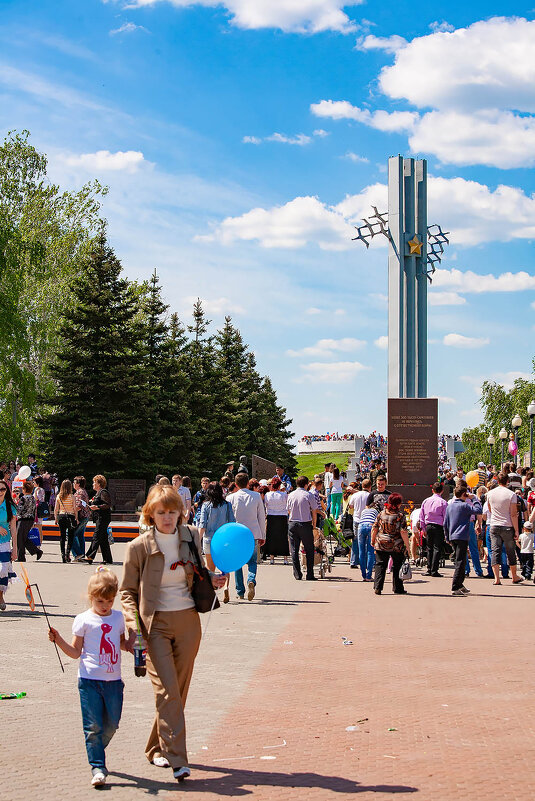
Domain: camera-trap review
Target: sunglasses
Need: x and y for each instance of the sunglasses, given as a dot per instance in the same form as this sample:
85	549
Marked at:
3	489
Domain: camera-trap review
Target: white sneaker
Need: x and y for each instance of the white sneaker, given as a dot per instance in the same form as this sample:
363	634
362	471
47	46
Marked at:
181	773
98	779
272	561
161	762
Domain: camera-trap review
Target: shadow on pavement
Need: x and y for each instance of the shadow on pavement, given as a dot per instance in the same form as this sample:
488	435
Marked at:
237	782
276	602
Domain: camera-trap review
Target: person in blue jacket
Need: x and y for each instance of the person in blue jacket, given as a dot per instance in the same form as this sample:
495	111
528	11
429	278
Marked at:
457	530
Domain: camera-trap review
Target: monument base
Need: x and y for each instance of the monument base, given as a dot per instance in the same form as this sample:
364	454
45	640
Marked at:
411	492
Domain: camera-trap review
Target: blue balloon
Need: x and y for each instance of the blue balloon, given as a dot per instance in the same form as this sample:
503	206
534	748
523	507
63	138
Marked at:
231	547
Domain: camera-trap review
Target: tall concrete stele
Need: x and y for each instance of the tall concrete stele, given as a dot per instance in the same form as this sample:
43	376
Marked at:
413	251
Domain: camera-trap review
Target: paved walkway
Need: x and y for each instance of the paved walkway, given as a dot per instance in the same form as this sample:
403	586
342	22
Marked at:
432	699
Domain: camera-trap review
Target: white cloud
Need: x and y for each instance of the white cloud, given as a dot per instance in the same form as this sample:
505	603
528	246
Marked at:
489	64
446	299
460	341
43	90
440	27
127	27
491	137
331	372
354	157
327	347
469	210
217	306
340	312
128	160
293	225
299	139
445	399
313	310
533	305
473	282
381	120
390	44
381	342
300	16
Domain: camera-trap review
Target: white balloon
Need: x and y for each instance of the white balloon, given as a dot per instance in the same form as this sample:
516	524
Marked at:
25	472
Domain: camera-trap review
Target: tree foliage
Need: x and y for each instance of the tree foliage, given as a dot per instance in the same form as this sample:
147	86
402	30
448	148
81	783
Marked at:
499	406
45	236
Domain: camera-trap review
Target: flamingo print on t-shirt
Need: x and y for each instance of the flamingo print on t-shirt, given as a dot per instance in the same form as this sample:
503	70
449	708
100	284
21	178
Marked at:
101	652
108	652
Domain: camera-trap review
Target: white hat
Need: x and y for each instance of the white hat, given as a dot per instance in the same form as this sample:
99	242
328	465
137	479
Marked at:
263	482
532	483
528	526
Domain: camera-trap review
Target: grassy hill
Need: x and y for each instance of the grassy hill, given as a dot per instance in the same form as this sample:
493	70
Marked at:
311	463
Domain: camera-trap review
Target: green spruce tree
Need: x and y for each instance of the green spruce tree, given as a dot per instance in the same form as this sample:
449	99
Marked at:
98	419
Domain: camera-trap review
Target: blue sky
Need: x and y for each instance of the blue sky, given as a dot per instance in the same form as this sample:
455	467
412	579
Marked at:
242	140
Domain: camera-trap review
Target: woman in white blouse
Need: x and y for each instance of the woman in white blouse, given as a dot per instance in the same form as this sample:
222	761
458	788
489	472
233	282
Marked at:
277	543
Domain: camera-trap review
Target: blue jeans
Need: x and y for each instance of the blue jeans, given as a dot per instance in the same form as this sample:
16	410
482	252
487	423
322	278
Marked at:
251	574
102	704
328	501
354	559
504	562
474	553
78	542
366	552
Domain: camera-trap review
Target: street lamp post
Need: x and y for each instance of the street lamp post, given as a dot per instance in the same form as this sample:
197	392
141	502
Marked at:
516	422
503	436
490	442
531	412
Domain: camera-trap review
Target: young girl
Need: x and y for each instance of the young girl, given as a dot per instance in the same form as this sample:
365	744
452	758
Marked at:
66	517
98	636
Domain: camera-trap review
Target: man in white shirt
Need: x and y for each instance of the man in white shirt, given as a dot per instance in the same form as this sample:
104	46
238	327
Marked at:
357	502
248	508
502	504
184	492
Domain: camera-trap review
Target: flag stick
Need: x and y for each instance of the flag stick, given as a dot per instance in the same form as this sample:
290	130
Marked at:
48	622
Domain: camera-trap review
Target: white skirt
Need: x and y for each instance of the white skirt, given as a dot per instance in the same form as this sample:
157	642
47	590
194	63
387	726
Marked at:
7	575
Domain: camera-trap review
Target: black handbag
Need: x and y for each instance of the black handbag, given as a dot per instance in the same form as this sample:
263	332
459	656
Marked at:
202	591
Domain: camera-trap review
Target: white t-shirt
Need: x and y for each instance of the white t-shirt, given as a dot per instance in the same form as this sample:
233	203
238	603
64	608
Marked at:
101	652
327	478
358	502
499	500
174	591
415	517
185	494
526	542
336	485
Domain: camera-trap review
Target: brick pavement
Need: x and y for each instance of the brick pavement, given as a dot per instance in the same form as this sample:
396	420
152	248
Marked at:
280	709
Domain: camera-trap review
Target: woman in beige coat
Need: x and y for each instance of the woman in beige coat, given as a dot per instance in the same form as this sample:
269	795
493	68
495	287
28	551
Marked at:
156	588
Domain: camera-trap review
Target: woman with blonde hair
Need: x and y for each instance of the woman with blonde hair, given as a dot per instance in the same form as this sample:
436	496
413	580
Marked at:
66	517
158	575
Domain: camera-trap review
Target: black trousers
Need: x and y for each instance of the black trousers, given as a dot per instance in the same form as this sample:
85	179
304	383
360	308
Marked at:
460	549
100	540
435	544
381	563
67	526
23	543
526	560
301	533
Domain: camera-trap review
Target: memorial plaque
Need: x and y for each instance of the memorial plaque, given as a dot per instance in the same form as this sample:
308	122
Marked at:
127	493
412	441
262	468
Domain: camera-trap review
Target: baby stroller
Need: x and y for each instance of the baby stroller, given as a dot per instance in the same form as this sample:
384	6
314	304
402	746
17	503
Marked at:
334	535
321	560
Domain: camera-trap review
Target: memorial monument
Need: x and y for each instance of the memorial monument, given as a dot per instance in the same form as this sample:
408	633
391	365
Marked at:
414	249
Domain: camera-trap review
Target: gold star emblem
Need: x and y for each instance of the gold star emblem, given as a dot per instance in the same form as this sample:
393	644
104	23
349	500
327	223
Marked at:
415	246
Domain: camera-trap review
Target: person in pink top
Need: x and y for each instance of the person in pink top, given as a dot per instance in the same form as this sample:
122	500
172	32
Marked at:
432	514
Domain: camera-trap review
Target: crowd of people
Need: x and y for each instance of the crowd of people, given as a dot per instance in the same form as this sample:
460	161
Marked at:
488	520
328	437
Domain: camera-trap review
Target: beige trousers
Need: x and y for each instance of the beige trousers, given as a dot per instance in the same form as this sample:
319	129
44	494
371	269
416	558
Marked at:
172	646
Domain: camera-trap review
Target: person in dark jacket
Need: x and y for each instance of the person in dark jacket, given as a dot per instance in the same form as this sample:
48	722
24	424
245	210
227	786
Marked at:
457	530
101	514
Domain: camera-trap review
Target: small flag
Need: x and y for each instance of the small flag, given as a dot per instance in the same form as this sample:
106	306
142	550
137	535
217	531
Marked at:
28	592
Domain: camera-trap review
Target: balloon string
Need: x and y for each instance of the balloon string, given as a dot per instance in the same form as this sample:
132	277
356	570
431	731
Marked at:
209	617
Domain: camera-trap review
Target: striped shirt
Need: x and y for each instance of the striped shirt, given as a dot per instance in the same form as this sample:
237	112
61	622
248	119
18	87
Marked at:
368	517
